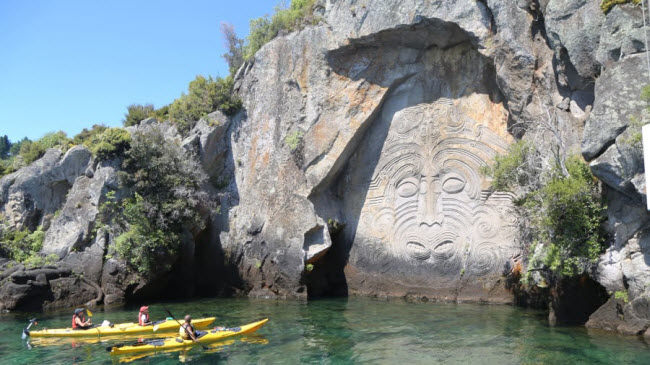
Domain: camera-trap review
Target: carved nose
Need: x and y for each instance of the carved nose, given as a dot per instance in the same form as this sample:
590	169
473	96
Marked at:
430	207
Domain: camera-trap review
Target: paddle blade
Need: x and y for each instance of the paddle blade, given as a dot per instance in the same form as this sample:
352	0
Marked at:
90	314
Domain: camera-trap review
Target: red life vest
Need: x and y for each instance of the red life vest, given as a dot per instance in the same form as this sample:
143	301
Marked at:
74	323
142	323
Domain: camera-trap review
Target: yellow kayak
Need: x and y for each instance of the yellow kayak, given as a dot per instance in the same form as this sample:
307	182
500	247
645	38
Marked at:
120	329
178	343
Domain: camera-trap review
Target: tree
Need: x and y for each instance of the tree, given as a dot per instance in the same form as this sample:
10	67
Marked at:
5	146
204	96
15	147
235	55
137	113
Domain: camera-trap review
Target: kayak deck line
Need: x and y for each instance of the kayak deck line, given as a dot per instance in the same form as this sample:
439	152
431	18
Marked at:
128	328
178	343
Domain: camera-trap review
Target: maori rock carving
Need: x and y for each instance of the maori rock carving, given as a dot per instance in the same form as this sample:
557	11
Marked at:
428	201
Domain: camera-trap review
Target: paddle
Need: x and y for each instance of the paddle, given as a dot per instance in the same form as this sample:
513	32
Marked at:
26	329
157	324
186	330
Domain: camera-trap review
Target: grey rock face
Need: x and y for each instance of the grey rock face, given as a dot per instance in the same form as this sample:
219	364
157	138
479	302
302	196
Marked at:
621	34
618	98
573	30
72	227
30	193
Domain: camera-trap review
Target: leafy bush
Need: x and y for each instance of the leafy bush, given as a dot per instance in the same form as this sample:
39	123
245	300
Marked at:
293	140
165	180
607	5
87	137
143	245
621	295
31	151
21	245
204	96
562	206
111	143
514	168
137	113
264	29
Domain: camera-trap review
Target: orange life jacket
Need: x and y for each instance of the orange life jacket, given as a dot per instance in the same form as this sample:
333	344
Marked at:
140	321
74	323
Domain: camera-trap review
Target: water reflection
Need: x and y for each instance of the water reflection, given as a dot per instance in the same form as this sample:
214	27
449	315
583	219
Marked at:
348	331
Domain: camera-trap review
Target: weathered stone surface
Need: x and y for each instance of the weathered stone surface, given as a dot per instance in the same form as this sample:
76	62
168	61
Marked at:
608	317
30	193
573	31
73	226
621	34
618	98
416	207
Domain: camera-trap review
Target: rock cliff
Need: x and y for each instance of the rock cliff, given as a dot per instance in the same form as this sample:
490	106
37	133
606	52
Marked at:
355	166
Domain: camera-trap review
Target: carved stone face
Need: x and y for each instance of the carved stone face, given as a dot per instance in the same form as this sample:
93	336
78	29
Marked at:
428	200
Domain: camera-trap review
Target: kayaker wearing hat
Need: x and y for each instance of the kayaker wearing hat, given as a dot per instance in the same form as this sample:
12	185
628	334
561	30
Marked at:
143	316
79	321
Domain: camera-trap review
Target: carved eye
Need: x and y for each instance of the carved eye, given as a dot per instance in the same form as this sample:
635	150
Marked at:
453	185
407	188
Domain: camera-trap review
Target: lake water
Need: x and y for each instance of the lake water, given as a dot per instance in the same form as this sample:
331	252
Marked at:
343	332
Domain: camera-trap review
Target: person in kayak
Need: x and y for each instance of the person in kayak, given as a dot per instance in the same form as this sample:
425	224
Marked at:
143	316
79	321
187	331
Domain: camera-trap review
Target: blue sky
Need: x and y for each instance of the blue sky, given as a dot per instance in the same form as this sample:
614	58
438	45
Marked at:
66	65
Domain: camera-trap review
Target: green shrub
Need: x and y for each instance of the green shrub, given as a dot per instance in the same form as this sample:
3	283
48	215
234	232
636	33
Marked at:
204	96
111	143
621	295
144	246
264	29
293	140
88	137
31	151
167	200
607	5
564	210
137	113
21	245
15	147
514	168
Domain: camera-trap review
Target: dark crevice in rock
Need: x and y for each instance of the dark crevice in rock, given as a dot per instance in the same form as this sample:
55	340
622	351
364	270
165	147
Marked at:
485	7
574	300
327	279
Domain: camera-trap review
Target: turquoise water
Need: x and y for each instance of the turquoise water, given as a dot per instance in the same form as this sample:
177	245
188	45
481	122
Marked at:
345	332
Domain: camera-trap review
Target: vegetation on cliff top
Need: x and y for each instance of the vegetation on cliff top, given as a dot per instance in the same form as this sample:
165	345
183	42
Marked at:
262	30
607	5
561	206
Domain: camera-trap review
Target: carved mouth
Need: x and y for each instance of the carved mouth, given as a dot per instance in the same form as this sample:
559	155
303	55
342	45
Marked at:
417	250
444	250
